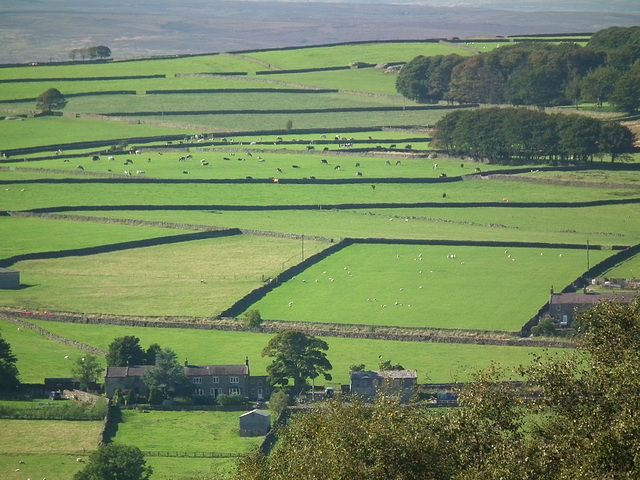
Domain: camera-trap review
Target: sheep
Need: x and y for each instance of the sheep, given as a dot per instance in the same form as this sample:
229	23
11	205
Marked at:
111	159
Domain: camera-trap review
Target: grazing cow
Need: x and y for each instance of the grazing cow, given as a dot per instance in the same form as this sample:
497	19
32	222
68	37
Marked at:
358	174
249	178
66	160
462	165
337	167
408	147
435	165
204	164
185	172
139	172
478	170
279	170
324	161
275	180
392	146
249	154
188	157
128	161
111	159
80	167
138	152
325	149
96	158
443	175
398	162
373	187
310	147
387	162
127	172
182	159
295	166
444	195
357	165
148	160
505	200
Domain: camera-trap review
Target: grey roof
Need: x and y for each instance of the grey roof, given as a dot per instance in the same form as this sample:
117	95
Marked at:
385	374
7	271
590	298
190	371
256	412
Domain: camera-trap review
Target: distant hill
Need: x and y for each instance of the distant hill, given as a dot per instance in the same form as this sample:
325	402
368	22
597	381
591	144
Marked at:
43	30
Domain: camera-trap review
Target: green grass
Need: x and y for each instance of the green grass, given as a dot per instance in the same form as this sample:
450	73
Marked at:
39	357
418	286
435	362
44	131
200	278
345	54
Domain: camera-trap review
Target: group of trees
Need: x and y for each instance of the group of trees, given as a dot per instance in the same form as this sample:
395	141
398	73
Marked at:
91	53
574	417
506	135
534	73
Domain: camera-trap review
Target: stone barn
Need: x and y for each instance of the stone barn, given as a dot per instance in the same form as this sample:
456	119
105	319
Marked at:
9	278
255	423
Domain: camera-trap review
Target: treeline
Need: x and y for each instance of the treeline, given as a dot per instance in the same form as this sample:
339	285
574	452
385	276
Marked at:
523	135
90	53
607	69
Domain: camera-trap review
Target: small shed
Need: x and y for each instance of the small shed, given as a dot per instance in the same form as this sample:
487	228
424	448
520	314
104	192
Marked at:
9	278
255	423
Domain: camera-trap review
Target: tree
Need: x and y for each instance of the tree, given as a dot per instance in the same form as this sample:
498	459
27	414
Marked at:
252	319
545	328
51	100
278	401
99	52
289	125
87	370
115	461
150	354
8	370
358	367
296	356
125	351
386	365
626	95
167	376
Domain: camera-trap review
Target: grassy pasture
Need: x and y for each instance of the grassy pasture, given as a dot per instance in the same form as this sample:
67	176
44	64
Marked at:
185	431
38	357
435	362
418	286
47	448
606	225
43	131
38	195
200	278
31	235
340	55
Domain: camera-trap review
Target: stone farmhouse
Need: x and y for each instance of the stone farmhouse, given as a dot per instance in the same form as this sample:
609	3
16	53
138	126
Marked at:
206	381
368	384
563	307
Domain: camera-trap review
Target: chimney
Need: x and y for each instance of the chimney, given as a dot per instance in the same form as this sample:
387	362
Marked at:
186	362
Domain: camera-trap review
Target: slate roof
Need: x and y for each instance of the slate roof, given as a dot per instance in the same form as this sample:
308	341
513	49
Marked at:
590	298
190	370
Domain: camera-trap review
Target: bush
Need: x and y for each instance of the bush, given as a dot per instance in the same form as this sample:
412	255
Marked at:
545	328
230	400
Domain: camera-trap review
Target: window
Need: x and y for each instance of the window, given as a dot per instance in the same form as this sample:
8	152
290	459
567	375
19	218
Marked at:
215	392
197	380
234	391
199	392
558	308
234	379
215	379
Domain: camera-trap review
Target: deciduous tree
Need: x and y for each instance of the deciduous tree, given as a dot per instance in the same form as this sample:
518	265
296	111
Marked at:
115	462
125	351
8	370
296	356
87	370
167	376
51	100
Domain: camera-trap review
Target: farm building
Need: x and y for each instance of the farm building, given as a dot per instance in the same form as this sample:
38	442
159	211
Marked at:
255	423
9	278
563	307
369	383
209	381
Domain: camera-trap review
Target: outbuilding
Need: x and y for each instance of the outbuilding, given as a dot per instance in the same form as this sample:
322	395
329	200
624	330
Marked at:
9	278
255	423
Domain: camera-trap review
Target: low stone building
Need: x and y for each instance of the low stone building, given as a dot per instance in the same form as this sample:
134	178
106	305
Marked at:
392	382
255	423
9	278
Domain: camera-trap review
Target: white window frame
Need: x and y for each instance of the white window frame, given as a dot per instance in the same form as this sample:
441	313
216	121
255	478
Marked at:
198	392
215	379
234	391
197	380
234	379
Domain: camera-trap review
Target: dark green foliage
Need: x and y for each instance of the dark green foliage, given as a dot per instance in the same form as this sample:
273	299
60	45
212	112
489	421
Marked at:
115	462
8	370
387	365
545	328
167	376
155	397
252	319
230	400
426	79
87	370
61	410
51	100
511	135
100	51
626	95
278	402
150	354
125	351
360	367
572	417
296	356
